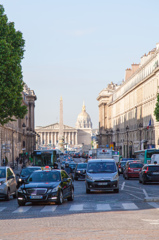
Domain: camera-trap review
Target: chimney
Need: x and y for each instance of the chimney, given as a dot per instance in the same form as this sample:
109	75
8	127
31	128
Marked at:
128	73
134	67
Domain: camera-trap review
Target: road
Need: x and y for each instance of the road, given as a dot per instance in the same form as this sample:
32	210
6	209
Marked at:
99	215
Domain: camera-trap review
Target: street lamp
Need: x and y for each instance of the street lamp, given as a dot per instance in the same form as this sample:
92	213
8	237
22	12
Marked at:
117	135
23	149
140	129
111	132
127	129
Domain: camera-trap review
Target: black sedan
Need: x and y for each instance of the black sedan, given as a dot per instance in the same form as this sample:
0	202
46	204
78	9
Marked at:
149	173
80	171
24	174
46	186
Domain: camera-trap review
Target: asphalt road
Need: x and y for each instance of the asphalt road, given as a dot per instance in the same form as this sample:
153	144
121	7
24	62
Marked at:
99	215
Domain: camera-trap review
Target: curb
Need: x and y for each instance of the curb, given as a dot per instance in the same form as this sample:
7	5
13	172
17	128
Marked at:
151	199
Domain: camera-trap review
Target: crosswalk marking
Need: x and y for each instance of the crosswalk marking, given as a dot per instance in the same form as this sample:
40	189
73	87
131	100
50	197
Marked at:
22	209
104	207
77	207
155	205
129	206
2	208
49	209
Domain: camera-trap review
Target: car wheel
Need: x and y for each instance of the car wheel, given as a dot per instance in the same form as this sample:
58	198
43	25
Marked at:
127	178
8	195
71	198
143	181
60	198
15	194
116	190
88	190
21	203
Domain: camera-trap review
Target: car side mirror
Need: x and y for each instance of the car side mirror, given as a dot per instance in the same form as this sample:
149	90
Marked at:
10	177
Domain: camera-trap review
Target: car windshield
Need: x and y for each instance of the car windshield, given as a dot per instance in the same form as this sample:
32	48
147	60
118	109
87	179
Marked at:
48	176
2	173
123	164
82	166
102	167
28	171
136	165
154	168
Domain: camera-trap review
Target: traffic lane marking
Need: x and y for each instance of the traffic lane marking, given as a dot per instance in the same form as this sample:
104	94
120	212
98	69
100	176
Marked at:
22	209
128	206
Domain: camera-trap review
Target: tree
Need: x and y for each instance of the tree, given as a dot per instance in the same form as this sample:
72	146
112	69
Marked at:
11	83
156	111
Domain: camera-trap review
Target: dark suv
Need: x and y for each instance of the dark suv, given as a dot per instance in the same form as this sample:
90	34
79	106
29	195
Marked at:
149	173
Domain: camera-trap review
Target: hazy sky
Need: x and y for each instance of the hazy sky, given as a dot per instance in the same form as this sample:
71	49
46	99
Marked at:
74	48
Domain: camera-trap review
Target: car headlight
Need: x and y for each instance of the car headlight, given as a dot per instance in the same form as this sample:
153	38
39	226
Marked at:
78	171
89	177
2	182
53	190
115	177
20	180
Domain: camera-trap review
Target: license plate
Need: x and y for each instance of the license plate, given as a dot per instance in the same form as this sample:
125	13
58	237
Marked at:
102	183
36	197
136	170
156	173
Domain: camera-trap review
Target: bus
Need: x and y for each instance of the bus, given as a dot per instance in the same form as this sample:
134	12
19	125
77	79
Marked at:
44	158
145	155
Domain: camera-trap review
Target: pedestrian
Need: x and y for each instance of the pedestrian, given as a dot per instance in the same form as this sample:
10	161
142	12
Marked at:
4	162
17	160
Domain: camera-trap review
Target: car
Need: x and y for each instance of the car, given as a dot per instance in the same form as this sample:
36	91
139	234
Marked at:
102	174
46	186
121	166
132	169
80	171
149	173
8	183
77	155
25	173
72	166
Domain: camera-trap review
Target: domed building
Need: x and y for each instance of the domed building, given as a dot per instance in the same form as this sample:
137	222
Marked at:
83	119
84	128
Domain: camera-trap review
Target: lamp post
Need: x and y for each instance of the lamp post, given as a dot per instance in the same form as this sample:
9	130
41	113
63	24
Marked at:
23	149
117	135
127	129
140	129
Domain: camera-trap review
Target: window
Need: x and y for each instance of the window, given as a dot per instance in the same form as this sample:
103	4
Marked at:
9	172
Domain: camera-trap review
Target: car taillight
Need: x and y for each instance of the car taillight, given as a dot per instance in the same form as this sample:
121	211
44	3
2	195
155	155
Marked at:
129	169
146	170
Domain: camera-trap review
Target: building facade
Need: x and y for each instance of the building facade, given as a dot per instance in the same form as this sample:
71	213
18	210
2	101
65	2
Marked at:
126	111
49	135
18	136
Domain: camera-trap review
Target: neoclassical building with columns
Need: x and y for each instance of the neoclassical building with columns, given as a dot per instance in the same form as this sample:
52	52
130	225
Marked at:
80	135
126	111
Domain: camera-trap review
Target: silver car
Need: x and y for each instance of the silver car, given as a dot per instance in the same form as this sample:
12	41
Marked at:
102	174
8	183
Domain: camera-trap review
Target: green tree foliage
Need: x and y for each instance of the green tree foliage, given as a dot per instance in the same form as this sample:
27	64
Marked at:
11	83
156	111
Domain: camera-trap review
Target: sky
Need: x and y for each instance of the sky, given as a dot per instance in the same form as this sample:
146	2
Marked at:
74	49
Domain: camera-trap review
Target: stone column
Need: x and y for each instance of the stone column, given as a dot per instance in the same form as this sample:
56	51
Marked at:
69	137
51	137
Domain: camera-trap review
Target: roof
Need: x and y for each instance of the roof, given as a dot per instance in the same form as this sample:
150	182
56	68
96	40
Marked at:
101	160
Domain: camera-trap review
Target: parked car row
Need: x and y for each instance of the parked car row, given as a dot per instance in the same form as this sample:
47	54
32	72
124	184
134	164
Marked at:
136	169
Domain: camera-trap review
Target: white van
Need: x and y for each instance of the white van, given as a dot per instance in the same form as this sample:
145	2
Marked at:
155	157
